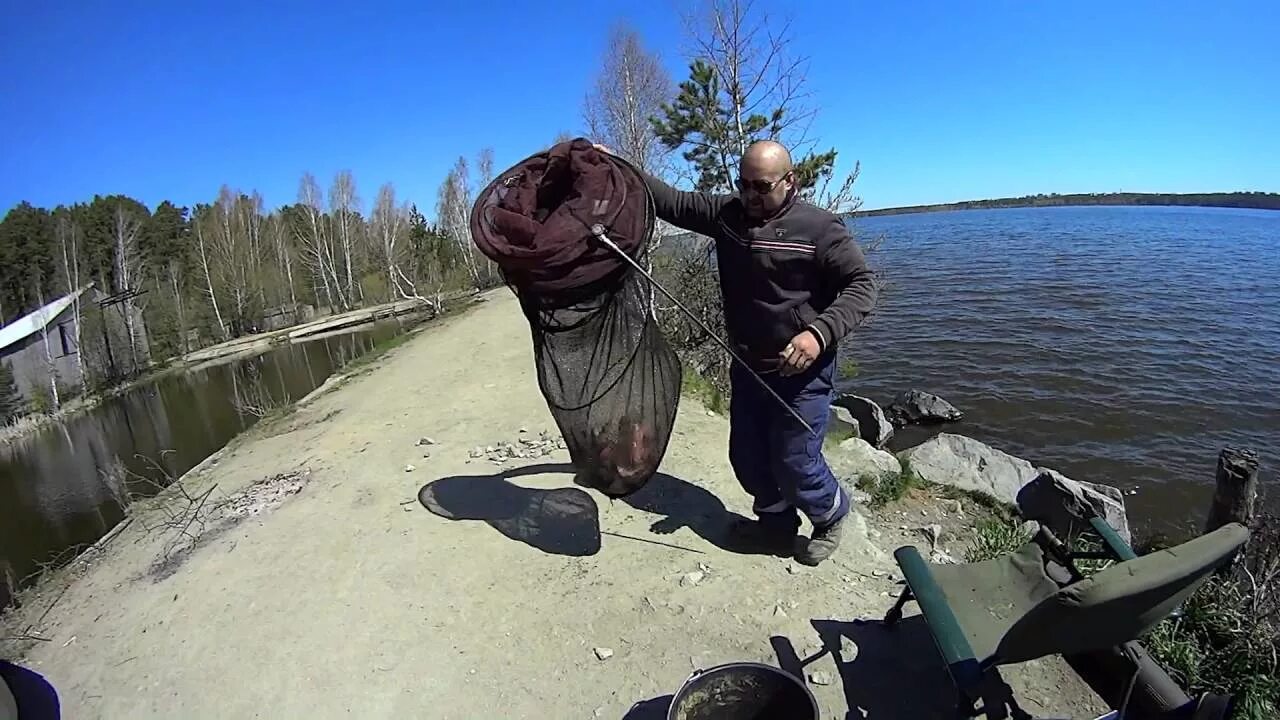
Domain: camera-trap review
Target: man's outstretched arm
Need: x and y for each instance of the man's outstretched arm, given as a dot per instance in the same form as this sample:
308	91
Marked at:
692	211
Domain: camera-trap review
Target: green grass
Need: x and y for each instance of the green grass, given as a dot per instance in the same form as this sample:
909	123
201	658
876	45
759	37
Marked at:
890	487
836	434
995	537
1219	646
698	387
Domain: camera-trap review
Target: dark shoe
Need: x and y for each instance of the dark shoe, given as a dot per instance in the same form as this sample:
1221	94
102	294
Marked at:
772	536
824	542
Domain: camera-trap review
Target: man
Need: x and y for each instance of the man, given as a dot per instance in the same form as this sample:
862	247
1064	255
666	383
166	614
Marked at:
794	284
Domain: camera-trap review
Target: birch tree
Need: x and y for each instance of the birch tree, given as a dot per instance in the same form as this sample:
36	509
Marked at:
277	230
389	224
312	235
202	217
67	233
629	90
125	227
344	204
453	212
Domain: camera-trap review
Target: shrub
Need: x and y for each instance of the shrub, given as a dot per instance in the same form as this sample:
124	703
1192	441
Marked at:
995	537
1227	638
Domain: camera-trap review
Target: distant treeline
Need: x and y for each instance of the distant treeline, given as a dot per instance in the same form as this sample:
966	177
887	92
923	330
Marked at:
1257	200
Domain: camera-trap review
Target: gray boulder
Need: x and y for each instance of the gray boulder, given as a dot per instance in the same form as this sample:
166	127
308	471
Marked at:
914	406
873	424
1065	505
842	419
1039	494
854	459
965	463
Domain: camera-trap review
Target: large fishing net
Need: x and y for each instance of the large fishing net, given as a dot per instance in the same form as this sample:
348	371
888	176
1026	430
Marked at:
608	375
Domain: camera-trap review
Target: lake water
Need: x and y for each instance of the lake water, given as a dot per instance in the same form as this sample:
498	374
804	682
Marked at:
60	487
1120	345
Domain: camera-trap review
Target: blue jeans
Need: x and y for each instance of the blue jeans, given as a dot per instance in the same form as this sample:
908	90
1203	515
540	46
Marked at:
777	461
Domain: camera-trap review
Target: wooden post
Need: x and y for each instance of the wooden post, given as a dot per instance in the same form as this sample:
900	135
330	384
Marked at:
1237	490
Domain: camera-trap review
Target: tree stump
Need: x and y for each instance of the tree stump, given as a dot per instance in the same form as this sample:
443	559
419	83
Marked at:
1237	491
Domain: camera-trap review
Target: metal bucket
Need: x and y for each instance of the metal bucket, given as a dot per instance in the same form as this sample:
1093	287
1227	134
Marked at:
743	691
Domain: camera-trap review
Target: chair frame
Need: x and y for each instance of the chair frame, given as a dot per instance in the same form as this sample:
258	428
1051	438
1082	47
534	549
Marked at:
974	679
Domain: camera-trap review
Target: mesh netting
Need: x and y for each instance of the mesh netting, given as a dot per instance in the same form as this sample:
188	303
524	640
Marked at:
609	377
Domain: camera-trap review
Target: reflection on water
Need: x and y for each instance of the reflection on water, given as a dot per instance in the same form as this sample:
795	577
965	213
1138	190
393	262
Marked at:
63	487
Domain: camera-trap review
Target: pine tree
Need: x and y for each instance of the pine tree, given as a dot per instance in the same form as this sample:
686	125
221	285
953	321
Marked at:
10	400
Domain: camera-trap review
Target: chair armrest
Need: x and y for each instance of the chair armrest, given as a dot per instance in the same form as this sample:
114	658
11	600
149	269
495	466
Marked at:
1115	544
943	626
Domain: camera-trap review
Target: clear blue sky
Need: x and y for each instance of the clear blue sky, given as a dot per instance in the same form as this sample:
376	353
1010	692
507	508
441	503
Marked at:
941	101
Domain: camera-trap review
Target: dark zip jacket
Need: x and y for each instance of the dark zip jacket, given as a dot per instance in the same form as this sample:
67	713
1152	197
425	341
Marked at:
800	269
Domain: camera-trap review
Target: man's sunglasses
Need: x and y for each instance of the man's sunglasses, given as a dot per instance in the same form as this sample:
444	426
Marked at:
760	187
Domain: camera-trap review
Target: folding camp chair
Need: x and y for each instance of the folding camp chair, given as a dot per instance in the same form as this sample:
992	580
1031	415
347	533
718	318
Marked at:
1011	609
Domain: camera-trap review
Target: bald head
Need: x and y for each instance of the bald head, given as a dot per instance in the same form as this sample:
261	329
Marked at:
767	155
764	178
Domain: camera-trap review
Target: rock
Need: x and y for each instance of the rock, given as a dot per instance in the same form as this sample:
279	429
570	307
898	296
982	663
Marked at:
879	574
848	649
426	456
820	677
965	463
842	419
940	557
932	533
409	468
711	413
873	424
524	430
477	452
855	459
956	507
791	568
691	579
914	406
603	653
1065	505
778	612
490	449
424	440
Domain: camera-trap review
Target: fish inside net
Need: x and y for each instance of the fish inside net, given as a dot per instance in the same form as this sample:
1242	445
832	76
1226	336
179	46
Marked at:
610	379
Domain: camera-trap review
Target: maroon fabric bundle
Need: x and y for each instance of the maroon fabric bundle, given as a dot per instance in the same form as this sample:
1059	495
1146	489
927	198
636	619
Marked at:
535	221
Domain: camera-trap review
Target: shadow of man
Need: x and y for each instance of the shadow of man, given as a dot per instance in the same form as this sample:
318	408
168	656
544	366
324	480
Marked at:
687	505
565	521
561	521
889	673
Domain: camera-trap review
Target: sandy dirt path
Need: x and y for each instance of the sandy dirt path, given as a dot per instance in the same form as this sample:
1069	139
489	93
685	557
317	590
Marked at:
352	600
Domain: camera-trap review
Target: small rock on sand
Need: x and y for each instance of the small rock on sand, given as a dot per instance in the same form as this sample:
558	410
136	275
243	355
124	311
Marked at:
603	653
820	677
691	579
409	468
778	612
424	440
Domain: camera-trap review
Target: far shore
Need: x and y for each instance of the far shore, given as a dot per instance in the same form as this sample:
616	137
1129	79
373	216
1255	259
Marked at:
1244	200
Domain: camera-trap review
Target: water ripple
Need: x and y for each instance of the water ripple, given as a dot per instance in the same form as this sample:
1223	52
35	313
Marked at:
1119	345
